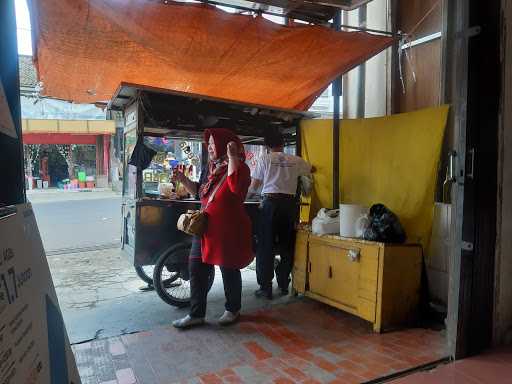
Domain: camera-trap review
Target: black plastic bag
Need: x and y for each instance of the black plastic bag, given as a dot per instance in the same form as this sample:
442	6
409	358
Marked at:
384	226
141	155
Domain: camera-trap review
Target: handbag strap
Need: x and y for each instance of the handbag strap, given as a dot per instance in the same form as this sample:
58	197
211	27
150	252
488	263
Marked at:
210	199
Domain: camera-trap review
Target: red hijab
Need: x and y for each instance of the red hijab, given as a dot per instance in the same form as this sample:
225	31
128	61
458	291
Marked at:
218	168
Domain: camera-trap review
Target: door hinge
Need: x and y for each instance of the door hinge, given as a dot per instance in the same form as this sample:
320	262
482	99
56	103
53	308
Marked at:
473	31
451	177
469	32
470	172
467	246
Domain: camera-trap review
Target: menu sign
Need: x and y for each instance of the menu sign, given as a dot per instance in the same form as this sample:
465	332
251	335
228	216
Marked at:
34	346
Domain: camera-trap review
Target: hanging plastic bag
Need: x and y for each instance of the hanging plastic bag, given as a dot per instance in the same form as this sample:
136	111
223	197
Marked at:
141	155
384	226
305	185
326	222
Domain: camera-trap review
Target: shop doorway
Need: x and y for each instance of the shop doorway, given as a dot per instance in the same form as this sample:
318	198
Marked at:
474	256
471	292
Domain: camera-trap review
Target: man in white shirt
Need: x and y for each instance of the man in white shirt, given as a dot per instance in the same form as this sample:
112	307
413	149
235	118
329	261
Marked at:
278	173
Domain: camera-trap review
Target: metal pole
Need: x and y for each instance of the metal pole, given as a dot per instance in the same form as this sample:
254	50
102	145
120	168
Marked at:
336	88
361	92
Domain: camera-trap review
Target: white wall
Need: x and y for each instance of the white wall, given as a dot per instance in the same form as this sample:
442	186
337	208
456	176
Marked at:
377	84
376	68
351	79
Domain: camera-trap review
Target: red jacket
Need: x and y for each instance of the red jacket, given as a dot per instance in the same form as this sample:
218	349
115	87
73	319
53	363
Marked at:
227	241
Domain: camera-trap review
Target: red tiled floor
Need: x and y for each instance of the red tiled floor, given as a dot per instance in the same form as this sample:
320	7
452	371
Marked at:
226	372
258	352
283	380
303	342
210	379
233	379
295	373
489	368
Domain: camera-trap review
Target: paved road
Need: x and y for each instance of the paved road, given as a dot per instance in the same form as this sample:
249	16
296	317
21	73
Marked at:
76	224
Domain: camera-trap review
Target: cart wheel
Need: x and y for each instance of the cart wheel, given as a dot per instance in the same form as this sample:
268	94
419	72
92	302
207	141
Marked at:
145	272
171	277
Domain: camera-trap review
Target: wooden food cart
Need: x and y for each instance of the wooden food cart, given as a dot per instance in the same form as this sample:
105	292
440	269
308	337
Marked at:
150	239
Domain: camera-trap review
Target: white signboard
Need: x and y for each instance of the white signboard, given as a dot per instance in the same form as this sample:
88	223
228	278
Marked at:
6	121
34	346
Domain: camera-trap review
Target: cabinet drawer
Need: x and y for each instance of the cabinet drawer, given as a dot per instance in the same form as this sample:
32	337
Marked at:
341	278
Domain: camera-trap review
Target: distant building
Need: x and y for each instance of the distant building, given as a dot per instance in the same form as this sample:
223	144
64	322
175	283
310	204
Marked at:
47	122
324	104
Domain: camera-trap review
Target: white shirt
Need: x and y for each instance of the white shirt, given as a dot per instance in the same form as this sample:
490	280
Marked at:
280	172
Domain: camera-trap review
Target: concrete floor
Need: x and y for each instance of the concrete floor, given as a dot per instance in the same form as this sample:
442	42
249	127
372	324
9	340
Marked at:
99	296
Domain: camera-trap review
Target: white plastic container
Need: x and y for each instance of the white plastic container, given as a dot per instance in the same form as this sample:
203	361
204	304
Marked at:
353	220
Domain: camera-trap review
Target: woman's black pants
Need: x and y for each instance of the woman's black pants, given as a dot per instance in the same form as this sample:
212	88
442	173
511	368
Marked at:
200	275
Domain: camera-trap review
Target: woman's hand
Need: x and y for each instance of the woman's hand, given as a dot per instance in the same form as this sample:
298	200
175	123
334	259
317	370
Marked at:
233	157
232	149
178	176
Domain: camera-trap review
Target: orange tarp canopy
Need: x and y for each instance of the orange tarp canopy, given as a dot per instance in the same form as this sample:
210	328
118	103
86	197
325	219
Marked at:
85	48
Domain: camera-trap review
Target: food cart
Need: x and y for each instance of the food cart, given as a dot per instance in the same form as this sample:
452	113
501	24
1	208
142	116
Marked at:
168	128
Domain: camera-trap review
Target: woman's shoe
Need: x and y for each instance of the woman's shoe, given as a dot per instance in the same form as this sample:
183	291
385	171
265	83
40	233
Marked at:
229	318
187	322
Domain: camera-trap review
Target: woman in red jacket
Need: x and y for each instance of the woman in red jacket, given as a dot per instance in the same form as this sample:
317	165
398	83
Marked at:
227	241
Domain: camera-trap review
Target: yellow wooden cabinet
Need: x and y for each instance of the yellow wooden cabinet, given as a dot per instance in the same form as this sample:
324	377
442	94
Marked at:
375	281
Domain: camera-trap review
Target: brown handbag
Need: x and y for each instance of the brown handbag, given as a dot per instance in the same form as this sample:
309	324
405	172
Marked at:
195	222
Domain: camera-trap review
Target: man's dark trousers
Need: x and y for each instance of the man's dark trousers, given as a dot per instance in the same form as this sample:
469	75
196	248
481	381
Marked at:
277	221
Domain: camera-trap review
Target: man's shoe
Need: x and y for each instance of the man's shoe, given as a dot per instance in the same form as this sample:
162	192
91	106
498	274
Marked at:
284	291
188	322
229	318
265	293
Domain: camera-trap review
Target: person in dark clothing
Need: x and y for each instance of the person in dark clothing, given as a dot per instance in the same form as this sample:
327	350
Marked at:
278	173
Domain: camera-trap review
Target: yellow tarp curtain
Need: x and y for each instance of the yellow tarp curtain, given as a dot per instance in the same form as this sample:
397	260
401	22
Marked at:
391	160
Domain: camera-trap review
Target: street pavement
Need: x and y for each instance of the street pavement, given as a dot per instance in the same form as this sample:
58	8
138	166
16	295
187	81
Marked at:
99	296
74	221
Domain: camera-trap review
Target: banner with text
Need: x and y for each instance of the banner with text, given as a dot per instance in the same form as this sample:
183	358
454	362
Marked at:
34	346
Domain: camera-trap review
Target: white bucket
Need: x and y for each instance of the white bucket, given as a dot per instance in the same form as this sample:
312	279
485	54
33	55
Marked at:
353	220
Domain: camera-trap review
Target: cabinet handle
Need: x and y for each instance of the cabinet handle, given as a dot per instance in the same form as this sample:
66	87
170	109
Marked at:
353	255
330	272
309	264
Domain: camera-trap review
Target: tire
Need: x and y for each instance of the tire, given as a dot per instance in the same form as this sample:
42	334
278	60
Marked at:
145	272
171	276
